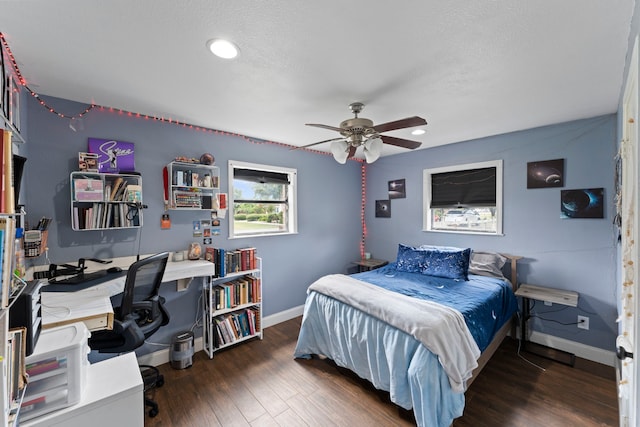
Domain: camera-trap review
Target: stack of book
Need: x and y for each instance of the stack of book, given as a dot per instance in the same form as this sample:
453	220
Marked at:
235	326
231	261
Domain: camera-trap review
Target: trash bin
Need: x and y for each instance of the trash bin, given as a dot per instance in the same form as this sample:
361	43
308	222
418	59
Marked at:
181	355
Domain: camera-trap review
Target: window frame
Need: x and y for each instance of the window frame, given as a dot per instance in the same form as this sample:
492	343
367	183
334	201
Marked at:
292	197
426	185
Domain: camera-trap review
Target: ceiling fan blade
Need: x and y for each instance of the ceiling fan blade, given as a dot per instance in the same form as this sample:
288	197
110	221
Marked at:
409	122
324	127
316	143
400	142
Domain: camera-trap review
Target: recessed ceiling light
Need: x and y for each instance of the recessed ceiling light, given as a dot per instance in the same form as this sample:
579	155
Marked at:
418	132
222	48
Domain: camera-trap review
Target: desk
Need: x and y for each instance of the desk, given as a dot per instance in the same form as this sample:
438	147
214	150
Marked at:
78	301
539	293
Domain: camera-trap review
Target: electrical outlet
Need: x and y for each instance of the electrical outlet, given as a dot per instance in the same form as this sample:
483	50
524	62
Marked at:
583	322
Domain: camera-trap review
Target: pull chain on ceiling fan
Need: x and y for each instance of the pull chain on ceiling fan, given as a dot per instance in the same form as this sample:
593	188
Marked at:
359	131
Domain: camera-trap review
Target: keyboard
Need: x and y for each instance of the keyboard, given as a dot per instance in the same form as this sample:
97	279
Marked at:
81	281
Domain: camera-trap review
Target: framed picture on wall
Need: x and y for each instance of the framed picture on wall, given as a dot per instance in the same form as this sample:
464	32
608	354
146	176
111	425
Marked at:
383	208
582	203
545	174
397	189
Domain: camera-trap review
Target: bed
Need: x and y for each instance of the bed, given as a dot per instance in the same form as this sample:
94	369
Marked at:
420	328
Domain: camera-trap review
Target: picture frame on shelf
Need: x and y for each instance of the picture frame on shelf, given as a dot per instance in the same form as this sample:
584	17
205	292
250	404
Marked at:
113	156
87	162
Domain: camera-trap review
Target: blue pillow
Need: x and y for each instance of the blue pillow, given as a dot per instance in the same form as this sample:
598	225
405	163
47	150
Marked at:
409	259
449	262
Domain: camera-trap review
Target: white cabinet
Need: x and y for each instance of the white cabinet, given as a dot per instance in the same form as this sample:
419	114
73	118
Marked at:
101	201
232	308
191	186
113	396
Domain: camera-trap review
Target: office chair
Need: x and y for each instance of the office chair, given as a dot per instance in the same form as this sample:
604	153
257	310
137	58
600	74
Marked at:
138	316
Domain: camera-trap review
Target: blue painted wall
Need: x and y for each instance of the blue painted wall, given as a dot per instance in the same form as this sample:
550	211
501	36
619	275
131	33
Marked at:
573	254
329	197
568	254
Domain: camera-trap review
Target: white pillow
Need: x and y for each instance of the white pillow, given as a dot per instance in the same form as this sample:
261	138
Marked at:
487	264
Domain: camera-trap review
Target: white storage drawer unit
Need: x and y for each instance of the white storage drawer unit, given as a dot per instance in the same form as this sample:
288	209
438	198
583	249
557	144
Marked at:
57	370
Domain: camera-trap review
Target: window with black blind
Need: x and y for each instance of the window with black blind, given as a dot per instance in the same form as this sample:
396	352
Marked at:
464	198
262	200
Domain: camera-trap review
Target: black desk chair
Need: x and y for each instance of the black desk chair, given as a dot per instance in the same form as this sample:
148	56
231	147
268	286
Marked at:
140	314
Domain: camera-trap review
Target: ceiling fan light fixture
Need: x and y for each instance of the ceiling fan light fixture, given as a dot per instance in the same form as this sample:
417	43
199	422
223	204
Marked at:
223	48
340	151
418	132
372	149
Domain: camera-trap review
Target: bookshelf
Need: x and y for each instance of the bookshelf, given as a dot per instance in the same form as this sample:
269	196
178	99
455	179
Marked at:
12	384
105	201
232	308
191	186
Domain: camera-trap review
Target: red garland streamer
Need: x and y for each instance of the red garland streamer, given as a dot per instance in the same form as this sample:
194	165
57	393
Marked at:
23	82
363	167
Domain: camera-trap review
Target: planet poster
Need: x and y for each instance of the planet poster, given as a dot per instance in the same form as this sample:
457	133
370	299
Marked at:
584	203
544	174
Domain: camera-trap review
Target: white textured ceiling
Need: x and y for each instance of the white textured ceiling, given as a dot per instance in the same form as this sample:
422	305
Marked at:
470	68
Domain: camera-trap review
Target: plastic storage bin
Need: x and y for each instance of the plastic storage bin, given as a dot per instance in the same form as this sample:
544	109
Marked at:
57	370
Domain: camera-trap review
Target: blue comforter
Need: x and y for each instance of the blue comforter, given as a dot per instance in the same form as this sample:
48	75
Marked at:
393	360
485	302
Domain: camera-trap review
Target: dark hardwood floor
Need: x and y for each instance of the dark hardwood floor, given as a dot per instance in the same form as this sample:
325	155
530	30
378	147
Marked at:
258	383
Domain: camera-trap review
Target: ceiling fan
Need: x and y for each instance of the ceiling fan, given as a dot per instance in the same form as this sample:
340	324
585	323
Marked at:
359	131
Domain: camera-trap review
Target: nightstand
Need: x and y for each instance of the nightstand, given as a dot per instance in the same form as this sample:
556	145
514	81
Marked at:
370	264
554	296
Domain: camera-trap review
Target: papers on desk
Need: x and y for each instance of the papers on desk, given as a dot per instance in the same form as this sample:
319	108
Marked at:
62	308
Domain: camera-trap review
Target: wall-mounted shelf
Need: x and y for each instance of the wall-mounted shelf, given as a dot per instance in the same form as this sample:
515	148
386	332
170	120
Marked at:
105	201
192	186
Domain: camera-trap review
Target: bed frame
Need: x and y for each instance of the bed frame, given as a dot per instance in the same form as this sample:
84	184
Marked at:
504	331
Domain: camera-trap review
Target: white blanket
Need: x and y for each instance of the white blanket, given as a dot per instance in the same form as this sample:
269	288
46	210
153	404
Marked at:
440	329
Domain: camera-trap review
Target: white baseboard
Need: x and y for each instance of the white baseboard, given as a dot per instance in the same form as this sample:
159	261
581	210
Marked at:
283	316
583	351
163	356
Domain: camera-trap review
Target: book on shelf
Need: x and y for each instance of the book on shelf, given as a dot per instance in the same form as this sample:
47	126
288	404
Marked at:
121	192
17	347
8	226
209	254
7	196
4	297
115	187
231	261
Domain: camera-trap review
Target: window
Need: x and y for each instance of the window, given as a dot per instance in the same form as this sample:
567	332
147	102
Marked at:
262	200
464	198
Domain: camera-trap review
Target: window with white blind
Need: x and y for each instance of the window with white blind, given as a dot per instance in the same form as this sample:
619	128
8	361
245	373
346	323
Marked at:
464	198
